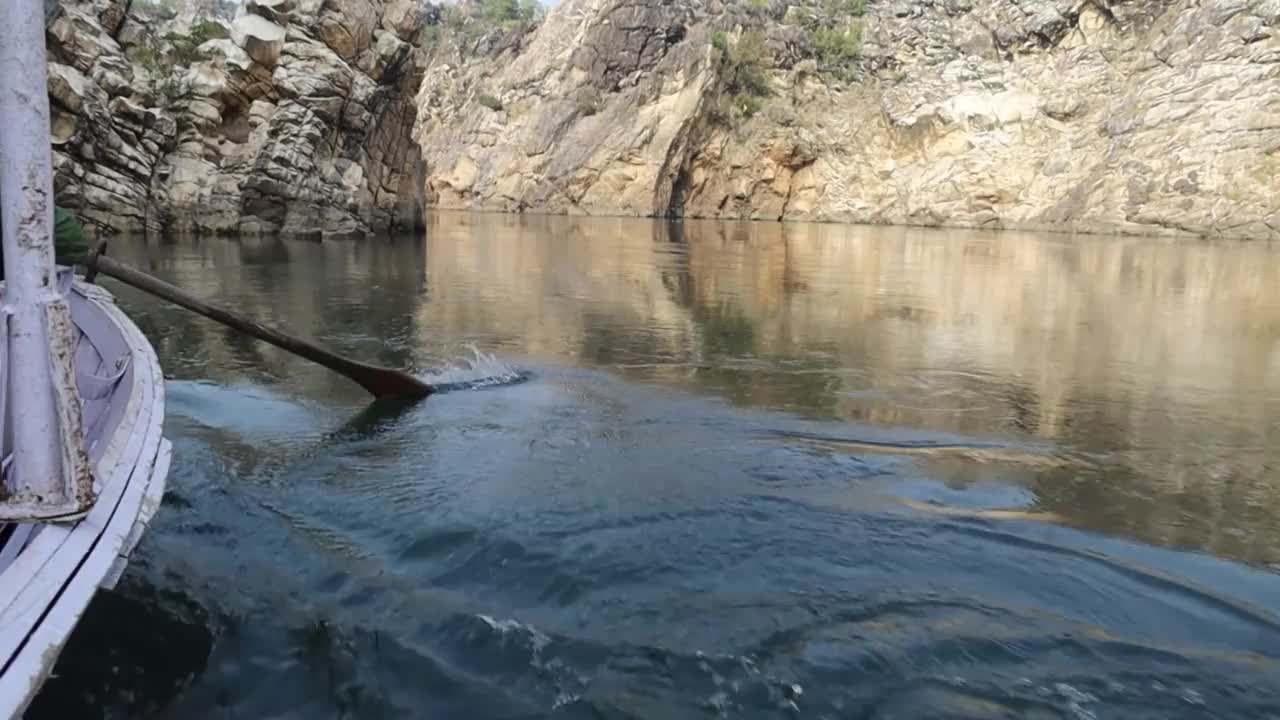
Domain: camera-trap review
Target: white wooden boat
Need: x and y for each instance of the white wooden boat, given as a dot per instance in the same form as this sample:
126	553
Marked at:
82	460
49	571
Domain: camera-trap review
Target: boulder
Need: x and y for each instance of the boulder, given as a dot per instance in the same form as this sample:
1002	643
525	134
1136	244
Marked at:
261	39
402	17
347	27
68	86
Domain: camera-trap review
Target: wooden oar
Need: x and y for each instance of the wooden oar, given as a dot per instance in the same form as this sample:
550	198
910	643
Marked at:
382	382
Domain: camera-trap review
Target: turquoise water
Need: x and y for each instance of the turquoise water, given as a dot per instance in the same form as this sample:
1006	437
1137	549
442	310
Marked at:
708	470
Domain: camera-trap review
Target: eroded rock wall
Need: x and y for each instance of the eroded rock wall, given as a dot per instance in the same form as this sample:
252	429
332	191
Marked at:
1138	116
596	110
299	121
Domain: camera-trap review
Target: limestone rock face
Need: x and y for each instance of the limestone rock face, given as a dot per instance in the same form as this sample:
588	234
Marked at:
596	111
273	129
1117	116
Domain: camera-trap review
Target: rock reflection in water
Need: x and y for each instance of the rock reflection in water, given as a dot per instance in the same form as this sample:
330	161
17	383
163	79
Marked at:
1152	357
1147	360
741	458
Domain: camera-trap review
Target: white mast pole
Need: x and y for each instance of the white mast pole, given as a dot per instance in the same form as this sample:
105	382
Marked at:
39	344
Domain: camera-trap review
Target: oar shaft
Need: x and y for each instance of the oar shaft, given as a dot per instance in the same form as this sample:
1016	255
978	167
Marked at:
382	382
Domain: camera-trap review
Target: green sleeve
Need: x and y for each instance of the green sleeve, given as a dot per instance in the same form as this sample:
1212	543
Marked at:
68	234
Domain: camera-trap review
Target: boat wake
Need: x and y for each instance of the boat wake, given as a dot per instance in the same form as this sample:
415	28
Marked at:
481	370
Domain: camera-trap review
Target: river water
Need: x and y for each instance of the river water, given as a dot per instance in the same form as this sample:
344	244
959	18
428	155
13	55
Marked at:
707	470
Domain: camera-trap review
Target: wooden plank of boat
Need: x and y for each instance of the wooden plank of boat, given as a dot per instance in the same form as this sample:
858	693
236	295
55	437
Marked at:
151	500
30	668
30	571
98	327
64	566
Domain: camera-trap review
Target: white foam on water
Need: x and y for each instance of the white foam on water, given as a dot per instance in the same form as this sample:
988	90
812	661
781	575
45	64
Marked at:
564	700
1078	701
479	370
508	628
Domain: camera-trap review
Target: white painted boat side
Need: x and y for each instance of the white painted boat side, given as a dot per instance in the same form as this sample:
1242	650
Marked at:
31	571
151	500
76	560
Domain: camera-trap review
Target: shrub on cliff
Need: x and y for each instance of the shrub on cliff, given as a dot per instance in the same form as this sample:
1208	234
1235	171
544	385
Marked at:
164	10
156	9
838	49
748	61
742	66
166	59
836	36
510	13
474	19
206	30
856	8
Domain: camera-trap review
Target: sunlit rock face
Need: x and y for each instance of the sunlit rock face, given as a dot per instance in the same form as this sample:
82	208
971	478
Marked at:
317	116
1145	116
288	116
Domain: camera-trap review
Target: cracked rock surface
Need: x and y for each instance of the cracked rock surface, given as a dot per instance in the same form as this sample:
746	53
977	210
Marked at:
298	122
1143	116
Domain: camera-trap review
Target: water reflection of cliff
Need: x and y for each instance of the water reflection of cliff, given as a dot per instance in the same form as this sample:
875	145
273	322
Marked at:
1151	364
354	297
1153	359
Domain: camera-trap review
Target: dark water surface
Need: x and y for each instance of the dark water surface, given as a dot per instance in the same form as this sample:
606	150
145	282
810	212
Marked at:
716	470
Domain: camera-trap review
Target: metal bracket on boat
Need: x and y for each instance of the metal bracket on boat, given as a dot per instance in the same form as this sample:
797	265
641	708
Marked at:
91	261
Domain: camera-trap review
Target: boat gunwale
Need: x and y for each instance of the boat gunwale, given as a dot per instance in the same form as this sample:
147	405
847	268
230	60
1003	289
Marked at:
41	550
96	546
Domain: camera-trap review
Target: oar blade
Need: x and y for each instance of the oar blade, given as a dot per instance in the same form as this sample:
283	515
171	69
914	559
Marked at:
385	384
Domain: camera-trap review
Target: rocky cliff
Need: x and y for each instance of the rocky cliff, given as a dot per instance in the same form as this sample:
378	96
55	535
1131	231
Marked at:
295	117
1106	115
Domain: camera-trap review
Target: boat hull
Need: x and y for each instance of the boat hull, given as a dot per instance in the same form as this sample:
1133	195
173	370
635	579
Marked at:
49	573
